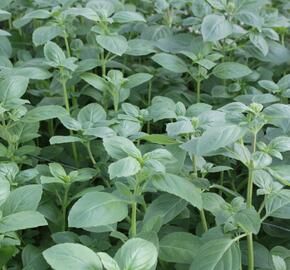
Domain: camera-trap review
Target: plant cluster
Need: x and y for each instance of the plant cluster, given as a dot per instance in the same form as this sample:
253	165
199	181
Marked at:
143	135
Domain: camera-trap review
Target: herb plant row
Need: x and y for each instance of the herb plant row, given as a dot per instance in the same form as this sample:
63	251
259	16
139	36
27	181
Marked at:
143	135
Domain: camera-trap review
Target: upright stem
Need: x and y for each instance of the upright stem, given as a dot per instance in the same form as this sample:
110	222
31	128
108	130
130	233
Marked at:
67	106
134	210
250	245
64	206
201	211
149	103
203	220
198	83
68	52
90	153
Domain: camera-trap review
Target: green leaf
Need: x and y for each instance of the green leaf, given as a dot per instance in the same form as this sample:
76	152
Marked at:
138	47
281	144
44	34
231	70
24	198
213	139
127	17
159	139
91	114
278	204
21	220
215	27
179	247
120	147
44	113
137	254
95	81
136	79
28	17
97	209
249	220
6	253
166	206
32	258
54	54
180	187
4	190
170	62
87	13
12	88
113	43
218	254
64	139
70	256
124	167
108	262
259	41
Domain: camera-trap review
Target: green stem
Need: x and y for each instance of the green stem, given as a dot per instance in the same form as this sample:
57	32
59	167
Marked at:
203	220
250	245
67	106
198	83
149	103
88	145
134	220
68	52
133	231
50	128
221	183
64	206
65	96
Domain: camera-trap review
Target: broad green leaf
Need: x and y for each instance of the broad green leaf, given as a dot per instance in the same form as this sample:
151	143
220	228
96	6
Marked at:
108	262
159	139
44	34
137	254
120	147
6	253
124	167
278	204
32	258
231	70
97	209
44	113
218	254
12	88
170	62
166	206
87	13
28	17
138	47
91	114
281	144
21	221
33	73
4	190
53	53
249	220
70	256
24	198
95	81
179	247
64	139
215	27
180	187
127	17
136	79
213	139
115	44
260	42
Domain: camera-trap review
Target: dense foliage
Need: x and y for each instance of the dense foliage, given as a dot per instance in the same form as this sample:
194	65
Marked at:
142	135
